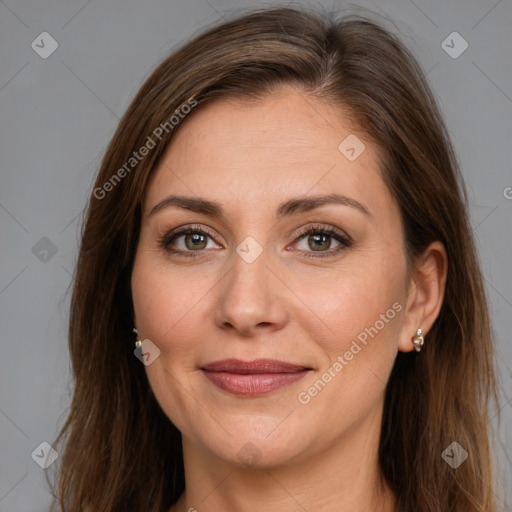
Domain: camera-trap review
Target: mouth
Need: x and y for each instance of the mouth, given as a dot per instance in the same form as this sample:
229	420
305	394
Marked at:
253	378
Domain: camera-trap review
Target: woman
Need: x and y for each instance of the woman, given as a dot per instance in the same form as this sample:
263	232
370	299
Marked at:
278	303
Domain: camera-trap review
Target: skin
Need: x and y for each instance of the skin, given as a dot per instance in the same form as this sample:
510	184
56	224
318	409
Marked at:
250	156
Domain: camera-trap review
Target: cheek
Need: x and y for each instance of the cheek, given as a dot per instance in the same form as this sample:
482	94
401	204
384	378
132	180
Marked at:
361	317
169	305
354	303
168	308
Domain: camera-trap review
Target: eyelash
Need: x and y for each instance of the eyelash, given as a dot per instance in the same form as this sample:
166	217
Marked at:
345	240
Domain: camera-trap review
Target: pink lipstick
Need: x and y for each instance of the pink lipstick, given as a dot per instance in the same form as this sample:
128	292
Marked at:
252	378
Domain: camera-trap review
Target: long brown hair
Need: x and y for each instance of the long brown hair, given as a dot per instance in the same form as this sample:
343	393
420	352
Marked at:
120	451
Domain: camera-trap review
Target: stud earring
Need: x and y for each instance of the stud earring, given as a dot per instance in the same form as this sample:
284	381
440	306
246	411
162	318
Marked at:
418	340
138	342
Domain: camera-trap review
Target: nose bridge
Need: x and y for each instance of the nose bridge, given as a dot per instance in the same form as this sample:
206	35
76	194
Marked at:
249	274
249	297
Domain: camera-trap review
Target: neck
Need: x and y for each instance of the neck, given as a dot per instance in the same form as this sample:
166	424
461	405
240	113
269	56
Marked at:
345	478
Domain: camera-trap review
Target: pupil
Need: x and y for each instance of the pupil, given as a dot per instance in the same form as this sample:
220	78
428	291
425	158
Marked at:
196	239
319	240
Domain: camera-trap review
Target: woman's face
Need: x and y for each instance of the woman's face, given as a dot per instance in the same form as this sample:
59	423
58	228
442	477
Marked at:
249	283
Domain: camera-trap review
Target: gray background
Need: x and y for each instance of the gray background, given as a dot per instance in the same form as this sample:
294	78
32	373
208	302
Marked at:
58	114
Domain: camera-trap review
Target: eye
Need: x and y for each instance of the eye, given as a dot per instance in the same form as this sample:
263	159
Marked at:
193	239
319	239
187	240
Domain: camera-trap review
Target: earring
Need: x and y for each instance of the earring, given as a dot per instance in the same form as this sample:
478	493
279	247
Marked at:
418	340
138	342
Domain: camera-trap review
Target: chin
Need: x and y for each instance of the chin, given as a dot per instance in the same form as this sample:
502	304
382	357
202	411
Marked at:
250	449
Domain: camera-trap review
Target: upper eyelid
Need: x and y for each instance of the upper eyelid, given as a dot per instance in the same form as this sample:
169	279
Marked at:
300	232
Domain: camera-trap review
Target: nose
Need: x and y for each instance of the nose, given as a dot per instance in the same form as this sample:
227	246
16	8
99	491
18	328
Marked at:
251	298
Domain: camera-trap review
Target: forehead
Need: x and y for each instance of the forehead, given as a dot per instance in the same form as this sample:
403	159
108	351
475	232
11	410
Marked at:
248	153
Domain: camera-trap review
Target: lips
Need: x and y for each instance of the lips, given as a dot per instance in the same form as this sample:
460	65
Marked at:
248	367
252	378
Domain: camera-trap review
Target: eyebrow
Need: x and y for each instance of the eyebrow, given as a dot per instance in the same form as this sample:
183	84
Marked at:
287	208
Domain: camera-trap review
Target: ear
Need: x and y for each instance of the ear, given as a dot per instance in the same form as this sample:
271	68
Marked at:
425	294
